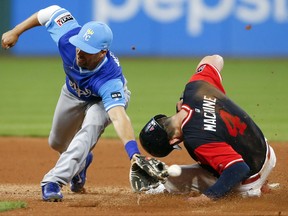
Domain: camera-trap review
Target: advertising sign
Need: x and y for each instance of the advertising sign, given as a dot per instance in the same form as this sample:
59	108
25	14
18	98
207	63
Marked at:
239	28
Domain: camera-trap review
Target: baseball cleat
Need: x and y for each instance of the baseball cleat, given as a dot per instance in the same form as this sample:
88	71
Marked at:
51	192
78	181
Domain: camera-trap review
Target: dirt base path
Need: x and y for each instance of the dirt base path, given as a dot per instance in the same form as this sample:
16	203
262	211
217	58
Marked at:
24	161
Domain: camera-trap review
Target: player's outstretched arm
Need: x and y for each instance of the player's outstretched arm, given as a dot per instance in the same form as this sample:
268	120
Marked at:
124	130
10	38
121	123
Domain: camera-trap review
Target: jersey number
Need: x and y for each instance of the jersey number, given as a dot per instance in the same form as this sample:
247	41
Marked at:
233	123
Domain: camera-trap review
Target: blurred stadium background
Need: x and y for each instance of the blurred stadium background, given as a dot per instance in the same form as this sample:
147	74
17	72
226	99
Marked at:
239	28
159	43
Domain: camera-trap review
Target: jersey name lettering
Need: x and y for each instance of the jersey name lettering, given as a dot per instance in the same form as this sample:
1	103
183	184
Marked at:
116	60
209	113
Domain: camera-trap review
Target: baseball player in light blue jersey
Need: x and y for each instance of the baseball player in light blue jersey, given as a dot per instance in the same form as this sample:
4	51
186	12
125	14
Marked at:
95	94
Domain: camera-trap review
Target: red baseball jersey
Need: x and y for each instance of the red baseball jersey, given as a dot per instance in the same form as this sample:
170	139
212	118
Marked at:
218	133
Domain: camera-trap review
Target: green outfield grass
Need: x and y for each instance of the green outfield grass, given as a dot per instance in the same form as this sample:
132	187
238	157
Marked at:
30	88
11	205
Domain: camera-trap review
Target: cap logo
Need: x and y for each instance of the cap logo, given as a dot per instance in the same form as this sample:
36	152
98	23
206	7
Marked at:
88	34
151	128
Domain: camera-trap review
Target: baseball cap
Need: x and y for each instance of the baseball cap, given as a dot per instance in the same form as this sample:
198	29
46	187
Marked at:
93	37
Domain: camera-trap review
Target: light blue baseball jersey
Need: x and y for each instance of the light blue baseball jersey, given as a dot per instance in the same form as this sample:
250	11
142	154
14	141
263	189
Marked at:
105	83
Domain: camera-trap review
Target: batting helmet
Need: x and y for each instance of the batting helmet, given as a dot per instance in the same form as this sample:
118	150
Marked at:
154	139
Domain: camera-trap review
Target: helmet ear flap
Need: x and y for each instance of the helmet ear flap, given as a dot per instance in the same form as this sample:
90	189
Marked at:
154	139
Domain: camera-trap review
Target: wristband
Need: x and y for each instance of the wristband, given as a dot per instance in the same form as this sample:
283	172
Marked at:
131	148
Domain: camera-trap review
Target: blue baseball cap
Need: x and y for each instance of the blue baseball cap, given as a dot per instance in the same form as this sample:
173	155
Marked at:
93	37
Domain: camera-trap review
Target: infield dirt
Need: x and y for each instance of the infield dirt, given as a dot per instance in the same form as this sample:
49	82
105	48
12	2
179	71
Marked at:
24	161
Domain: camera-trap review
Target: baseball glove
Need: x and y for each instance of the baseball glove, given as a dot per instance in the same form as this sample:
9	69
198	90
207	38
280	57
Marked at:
147	173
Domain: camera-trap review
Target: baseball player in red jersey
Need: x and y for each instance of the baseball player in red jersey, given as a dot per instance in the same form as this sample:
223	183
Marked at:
231	151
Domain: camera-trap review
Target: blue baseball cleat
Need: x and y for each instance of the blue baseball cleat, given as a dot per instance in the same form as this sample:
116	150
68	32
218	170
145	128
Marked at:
51	192
78	181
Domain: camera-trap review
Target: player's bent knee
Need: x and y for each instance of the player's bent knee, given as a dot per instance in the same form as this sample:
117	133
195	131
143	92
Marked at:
56	145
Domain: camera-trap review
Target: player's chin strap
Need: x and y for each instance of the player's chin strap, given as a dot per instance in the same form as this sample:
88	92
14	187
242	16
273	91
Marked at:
176	146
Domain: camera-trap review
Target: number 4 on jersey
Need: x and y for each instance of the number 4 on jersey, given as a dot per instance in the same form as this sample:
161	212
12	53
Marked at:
233	123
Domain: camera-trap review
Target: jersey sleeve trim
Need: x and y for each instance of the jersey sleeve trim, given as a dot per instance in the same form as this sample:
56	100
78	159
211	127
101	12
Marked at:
188	117
114	105
233	162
